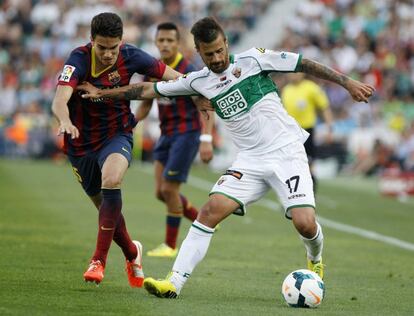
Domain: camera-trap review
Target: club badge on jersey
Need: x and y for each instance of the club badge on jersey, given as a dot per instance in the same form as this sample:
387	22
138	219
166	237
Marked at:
114	77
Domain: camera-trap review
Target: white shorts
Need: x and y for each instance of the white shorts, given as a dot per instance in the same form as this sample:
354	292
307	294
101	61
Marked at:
286	171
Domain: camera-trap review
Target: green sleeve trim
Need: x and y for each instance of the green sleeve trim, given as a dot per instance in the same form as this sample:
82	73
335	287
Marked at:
296	206
299	63
157	91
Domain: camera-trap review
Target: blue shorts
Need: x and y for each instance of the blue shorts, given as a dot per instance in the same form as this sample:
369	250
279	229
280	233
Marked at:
87	168
177	153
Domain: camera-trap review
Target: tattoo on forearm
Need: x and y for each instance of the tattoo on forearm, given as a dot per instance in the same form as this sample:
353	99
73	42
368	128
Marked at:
318	70
134	93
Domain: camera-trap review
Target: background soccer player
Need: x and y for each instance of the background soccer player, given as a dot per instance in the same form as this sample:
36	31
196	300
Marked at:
304	99
98	133
270	142
179	142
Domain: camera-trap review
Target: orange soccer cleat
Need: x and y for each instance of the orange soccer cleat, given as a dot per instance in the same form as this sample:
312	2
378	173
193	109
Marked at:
134	268
95	272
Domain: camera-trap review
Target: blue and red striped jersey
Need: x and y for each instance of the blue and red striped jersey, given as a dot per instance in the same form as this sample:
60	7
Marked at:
100	120
178	115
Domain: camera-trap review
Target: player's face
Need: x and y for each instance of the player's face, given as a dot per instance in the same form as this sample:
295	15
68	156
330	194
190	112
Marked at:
215	54
106	49
167	44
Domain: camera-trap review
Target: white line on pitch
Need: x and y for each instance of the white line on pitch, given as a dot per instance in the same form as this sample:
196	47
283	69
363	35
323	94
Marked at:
205	185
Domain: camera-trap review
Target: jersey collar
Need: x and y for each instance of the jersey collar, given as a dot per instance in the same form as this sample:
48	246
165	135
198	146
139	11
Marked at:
93	66
176	60
231	59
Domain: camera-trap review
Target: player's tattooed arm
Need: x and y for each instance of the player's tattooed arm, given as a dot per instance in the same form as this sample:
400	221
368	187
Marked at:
324	72
358	90
138	91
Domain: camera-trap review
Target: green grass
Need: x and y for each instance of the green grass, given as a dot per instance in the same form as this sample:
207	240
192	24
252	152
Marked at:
48	230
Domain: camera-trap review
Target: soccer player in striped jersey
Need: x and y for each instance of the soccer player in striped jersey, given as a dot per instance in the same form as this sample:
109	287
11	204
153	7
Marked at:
98	133
179	143
270	142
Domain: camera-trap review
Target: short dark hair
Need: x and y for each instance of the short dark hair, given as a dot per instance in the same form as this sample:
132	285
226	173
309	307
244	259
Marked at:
169	26
206	30
107	24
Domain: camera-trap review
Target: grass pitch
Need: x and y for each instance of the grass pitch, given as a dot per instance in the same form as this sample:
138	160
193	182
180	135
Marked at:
48	230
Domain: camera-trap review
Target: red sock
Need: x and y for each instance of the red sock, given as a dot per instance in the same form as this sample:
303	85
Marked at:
122	239
172	227
108	218
189	211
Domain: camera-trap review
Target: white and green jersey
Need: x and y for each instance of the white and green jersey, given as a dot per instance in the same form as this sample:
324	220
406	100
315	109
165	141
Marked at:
246	98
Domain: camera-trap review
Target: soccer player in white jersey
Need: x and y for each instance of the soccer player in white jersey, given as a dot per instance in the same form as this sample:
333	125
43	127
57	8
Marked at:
270	142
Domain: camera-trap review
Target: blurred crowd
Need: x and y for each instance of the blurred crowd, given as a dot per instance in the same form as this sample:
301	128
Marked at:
37	36
371	40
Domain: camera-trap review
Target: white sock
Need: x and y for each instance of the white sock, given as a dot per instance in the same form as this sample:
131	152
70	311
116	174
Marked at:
314	245
192	251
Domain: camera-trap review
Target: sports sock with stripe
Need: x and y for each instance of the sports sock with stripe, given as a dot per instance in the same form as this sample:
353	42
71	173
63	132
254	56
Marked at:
108	218
171	229
189	211
314	245
192	251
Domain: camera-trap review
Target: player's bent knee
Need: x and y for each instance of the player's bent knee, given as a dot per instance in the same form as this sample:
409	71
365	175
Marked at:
159	196
209	215
304	221
111	181
168	192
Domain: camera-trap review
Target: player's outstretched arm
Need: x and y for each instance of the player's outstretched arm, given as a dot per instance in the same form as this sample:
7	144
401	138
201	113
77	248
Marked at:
170	74
61	111
138	91
358	90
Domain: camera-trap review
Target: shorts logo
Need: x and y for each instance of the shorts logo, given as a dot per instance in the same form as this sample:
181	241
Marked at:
232	104
172	172
67	72
221	180
296	196
237	174
114	77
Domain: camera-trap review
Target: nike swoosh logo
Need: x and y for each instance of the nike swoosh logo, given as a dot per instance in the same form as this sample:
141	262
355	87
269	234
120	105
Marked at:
124	149
172	173
317	298
107	228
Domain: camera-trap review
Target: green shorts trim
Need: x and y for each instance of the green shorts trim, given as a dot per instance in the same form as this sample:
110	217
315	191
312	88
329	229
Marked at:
240	211
295	206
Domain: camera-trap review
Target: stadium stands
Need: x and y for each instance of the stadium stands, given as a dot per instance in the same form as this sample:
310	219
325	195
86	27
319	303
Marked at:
372	40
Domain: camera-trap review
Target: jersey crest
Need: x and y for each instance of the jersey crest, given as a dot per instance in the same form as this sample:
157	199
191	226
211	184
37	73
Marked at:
236	72
114	77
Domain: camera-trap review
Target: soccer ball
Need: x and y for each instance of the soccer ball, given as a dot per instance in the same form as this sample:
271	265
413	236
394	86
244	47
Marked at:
303	288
